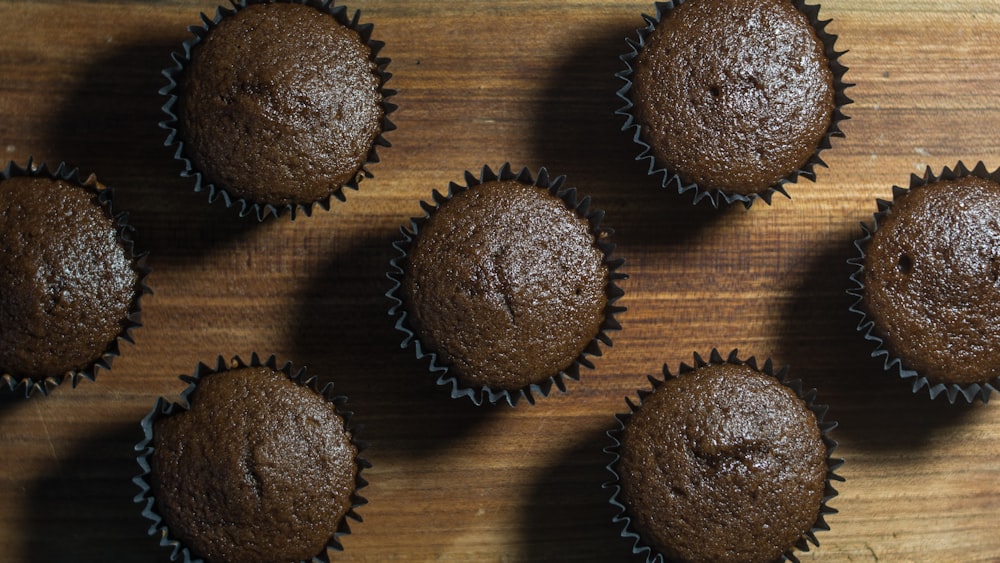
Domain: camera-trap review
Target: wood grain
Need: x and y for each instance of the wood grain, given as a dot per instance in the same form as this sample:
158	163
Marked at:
486	82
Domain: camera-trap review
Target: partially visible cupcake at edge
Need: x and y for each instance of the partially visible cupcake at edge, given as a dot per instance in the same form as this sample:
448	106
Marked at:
278	106
724	462
928	282
255	465
733	99
70	279
506	284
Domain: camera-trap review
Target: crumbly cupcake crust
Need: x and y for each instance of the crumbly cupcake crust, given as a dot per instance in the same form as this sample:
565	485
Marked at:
279	105
257	465
931	274
507	283
723	462
71	282
258	469
733	95
926	283
732	100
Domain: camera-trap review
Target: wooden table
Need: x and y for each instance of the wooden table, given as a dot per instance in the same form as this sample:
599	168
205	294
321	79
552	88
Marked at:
487	82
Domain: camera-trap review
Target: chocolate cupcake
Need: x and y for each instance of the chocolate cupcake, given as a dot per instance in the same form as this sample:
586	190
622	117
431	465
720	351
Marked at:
278	106
506	285
70	280
733	99
928	282
724	461
255	464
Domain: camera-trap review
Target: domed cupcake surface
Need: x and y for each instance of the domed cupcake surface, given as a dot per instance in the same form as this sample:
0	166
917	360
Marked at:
931	280
67	282
722	463
506	284
259	468
280	104
734	96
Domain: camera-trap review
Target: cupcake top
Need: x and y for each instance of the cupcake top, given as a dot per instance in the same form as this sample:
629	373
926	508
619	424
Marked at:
280	104
67	283
259	468
931	280
722	463
733	95
506	283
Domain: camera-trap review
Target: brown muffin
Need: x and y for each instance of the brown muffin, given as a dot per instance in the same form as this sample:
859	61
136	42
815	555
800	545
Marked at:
281	105
929	276
259	467
69	283
507	283
733	97
723	463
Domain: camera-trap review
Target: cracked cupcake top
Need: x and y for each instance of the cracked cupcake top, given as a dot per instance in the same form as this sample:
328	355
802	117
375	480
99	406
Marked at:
722	463
932	280
259	468
281	104
66	281
506	284
733	95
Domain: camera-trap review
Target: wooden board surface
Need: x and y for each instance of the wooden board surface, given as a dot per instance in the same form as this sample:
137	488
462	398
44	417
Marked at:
488	82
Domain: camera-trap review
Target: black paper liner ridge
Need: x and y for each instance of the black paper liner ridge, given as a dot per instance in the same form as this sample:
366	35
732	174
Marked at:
717	197
164	408
246	206
125	233
866	326
622	518
482	394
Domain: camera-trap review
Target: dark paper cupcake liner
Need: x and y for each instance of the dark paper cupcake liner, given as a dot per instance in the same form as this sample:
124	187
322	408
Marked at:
622	518
164	408
29	385
866	326
260	209
717	197
481	394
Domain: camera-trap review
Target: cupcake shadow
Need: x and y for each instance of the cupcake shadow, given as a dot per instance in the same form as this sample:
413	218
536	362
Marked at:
344	325
109	126
83	509
567	514
577	133
875	410
9	398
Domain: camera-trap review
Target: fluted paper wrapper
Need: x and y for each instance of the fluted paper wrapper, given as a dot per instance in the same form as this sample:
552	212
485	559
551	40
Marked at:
891	362
19	383
163	408
262	209
643	548
714	196
484	393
